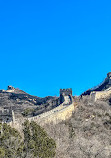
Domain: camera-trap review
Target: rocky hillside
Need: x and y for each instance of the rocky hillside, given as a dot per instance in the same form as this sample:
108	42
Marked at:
24	103
87	134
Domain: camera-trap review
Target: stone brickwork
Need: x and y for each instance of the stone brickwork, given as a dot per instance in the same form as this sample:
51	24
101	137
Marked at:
56	115
101	95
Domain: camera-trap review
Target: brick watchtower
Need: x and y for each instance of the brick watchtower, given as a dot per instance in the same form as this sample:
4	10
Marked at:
109	78
65	93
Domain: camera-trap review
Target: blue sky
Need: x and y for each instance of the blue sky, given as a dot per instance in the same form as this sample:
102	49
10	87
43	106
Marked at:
48	45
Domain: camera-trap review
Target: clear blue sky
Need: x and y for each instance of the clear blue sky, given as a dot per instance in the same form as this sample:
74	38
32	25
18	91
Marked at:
53	44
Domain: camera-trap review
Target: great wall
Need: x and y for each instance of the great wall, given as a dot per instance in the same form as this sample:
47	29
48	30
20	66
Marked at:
102	91
56	115
66	107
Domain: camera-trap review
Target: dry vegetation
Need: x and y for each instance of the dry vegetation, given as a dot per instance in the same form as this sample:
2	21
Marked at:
35	144
87	134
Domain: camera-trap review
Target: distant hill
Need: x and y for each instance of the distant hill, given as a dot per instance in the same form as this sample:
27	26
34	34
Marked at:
24	103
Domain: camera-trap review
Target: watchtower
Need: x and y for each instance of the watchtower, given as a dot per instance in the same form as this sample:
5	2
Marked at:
109	78
66	95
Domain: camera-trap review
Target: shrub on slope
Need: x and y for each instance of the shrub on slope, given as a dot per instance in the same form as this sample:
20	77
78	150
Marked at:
35	144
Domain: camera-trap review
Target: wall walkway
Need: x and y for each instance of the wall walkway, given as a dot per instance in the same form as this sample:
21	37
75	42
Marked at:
56	115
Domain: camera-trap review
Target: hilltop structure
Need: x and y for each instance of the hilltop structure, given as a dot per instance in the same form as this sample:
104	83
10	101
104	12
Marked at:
109	79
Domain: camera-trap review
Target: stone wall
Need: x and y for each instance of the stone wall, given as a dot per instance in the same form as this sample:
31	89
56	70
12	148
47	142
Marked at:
101	95
55	116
